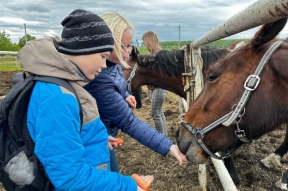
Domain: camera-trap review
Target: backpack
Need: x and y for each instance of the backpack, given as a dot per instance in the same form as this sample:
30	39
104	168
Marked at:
20	169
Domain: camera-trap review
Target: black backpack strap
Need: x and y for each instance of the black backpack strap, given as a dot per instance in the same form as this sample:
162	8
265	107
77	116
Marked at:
65	84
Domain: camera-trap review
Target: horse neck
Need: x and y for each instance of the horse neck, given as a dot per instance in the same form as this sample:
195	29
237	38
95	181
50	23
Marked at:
164	81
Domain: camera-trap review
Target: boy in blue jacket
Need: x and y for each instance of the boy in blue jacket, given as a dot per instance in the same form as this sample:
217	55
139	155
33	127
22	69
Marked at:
74	157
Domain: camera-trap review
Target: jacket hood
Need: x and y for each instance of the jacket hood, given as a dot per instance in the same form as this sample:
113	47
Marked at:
41	57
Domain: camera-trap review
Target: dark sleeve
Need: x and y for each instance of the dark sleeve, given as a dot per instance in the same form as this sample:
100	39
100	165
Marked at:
113	106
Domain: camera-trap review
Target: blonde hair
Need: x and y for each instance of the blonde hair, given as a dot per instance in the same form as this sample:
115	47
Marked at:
151	41
117	24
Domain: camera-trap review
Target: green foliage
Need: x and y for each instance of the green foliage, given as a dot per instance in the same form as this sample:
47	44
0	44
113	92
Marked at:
173	45
224	43
22	41
143	50
6	44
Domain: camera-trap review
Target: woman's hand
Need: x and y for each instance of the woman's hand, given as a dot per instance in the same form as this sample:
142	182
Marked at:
113	142
131	101
174	151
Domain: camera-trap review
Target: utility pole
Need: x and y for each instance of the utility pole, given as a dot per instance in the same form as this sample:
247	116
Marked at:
179	37
25	33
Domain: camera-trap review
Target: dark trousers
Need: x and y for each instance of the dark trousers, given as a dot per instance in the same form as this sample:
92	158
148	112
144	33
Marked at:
138	96
113	162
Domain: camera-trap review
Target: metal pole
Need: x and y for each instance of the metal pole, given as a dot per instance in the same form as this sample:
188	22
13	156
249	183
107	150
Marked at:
261	12
179	37
25	33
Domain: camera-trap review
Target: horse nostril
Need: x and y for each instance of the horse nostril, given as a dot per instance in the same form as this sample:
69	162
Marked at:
177	134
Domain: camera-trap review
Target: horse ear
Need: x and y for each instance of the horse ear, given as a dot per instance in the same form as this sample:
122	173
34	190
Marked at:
137	53
268	32
133	53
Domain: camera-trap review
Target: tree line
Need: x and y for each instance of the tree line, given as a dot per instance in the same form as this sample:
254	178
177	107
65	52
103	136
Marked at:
7	45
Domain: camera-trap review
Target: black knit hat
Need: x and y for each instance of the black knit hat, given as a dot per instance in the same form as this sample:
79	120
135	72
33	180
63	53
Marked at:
85	33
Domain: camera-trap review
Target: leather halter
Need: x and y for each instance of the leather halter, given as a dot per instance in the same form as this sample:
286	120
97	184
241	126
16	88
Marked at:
235	115
131	76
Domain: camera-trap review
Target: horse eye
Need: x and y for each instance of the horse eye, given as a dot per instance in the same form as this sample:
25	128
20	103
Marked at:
211	77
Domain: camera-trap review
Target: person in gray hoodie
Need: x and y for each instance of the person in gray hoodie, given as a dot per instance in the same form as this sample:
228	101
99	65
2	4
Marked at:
74	157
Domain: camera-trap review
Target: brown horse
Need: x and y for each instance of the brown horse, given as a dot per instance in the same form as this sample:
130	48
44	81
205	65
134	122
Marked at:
147	72
227	114
165	69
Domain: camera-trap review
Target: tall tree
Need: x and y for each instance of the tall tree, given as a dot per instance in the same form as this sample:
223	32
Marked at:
22	41
6	44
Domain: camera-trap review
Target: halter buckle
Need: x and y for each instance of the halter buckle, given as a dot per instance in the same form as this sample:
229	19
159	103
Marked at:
242	136
252	82
240	133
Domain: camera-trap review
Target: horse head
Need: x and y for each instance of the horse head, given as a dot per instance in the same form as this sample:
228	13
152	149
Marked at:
161	70
221	119
165	69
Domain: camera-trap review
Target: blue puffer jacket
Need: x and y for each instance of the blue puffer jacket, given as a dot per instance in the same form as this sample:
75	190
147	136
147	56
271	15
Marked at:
73	160
109	90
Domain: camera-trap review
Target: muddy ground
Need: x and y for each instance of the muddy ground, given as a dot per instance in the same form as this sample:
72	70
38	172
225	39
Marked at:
169	176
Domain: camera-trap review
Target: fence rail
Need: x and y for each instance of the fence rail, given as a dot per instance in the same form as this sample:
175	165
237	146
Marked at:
8	53
8	61
261	12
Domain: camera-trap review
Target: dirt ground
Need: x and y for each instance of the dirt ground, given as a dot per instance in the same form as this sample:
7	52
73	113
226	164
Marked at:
169	176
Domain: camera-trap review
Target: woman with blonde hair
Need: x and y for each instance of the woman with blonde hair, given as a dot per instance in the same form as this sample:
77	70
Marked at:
151	42
113	100
158	95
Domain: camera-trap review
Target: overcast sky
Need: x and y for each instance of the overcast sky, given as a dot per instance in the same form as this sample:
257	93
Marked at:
195	17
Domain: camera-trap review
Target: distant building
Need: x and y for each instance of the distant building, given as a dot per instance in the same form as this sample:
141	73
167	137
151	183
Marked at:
138	43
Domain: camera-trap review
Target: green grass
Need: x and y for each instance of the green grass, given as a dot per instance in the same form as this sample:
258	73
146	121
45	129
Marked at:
9	64
143	50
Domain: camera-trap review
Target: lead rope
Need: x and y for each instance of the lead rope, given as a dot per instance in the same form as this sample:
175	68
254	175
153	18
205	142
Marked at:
132	74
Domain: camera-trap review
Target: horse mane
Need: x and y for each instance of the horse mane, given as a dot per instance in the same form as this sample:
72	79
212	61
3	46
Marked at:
210	55
172	62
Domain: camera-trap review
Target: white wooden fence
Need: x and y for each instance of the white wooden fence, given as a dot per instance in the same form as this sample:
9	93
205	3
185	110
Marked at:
10	54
